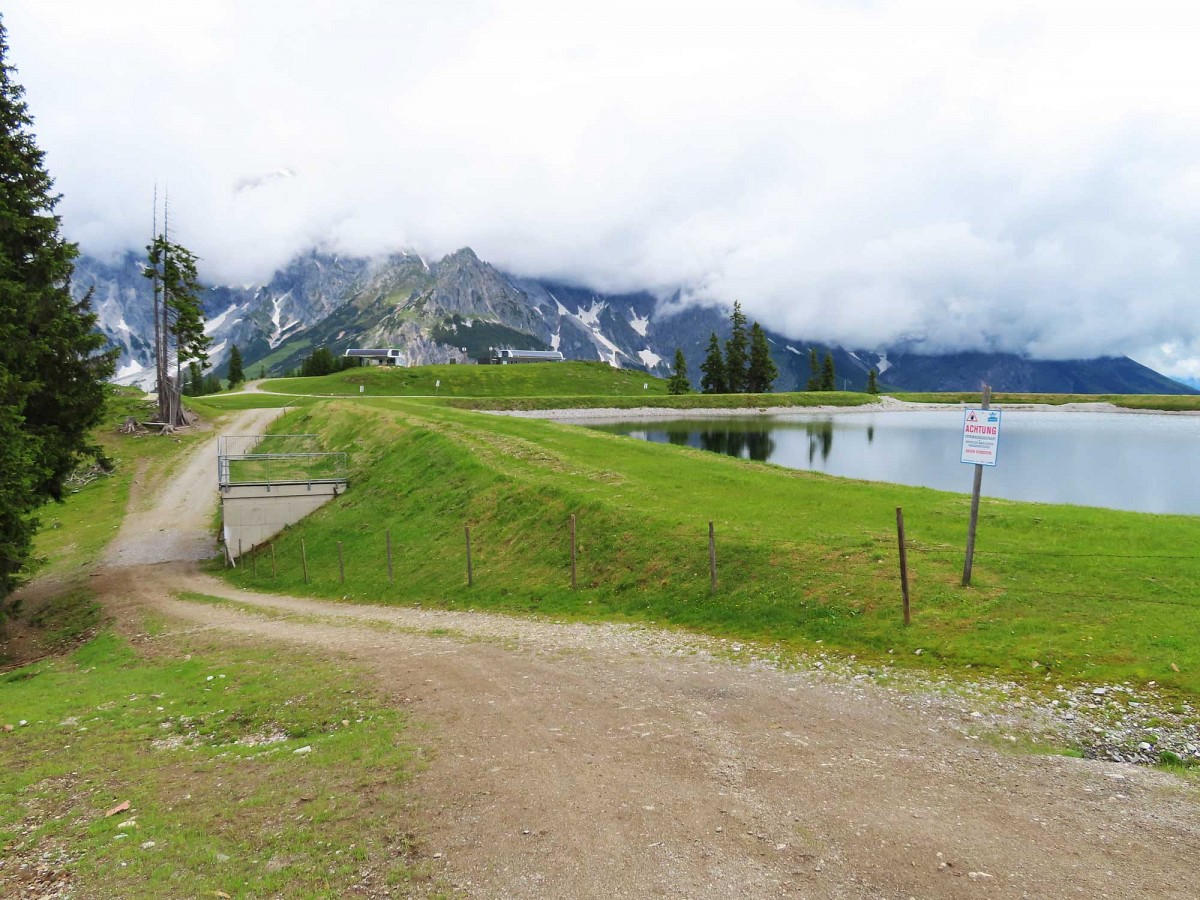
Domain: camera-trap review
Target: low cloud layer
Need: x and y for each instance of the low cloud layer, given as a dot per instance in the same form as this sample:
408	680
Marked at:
957	175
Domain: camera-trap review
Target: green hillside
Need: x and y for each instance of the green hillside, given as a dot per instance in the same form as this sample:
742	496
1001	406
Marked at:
528	380
1061	593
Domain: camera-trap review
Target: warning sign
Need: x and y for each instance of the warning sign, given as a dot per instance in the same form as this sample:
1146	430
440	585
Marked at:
981	436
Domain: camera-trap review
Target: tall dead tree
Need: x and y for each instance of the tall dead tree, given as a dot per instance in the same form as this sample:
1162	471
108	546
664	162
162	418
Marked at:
178	319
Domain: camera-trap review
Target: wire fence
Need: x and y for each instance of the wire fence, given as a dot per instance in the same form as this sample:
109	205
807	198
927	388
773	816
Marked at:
879	562
276	459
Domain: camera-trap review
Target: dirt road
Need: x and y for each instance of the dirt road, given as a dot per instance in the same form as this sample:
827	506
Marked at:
609	761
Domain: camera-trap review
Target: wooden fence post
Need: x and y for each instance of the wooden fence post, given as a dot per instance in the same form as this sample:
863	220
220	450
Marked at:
304	560
712	560
341	565
903	560
254	559
389	554
572	551
272	560
470	576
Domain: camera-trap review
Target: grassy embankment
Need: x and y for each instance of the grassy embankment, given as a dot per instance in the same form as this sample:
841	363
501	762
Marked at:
208	766
549	386
73	534
1155	402
201	740
1061	593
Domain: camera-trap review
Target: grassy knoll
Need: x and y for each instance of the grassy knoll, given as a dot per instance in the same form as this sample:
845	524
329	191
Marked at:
213	405
1163	402
668	401
201	741
74	532
528	380
1061	593
61	611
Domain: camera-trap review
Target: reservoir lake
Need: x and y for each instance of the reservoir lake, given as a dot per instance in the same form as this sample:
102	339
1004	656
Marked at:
1132	461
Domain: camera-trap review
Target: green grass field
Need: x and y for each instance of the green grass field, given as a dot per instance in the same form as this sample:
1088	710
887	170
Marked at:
1163	402
1061	593
74	533
200	740
529	380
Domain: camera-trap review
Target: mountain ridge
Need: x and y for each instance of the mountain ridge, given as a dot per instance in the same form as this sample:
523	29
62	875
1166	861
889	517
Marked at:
455	309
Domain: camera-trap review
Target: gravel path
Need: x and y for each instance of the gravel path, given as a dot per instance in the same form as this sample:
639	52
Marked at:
615	761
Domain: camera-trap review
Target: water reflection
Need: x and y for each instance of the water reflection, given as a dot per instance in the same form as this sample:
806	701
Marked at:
820	435
1142	462
748	444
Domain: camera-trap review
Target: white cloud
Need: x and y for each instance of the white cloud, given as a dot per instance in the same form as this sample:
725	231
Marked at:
994	174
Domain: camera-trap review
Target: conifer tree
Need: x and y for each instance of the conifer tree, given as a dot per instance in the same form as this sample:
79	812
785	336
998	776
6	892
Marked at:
828	379
179	320
872	382
236	375
735	352
52	370
761	375
713	380
679	383
814	378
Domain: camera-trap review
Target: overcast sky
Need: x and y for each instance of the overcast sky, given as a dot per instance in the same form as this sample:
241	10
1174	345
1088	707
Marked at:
1004	175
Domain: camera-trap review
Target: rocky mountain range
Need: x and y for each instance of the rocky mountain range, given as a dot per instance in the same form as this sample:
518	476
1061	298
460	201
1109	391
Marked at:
457	308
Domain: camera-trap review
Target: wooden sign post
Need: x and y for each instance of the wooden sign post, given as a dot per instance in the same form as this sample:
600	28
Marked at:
980	440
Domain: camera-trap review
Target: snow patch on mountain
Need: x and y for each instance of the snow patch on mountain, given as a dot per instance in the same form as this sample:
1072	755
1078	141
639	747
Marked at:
649	357
591	316
130	369
793	349
216	321
639	324
280	328
884	365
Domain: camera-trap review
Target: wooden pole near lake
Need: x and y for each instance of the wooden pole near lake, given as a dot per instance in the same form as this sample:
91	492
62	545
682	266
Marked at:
903	560
712	560
304	560
389	554
470	574
966	579
254	559
341	565
272	560
572	551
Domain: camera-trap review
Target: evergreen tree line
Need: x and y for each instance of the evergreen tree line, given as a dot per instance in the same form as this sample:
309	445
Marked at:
198	384
745	367
823	377
53	365
322	362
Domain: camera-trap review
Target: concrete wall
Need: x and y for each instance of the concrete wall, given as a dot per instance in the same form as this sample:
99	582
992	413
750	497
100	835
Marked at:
251	513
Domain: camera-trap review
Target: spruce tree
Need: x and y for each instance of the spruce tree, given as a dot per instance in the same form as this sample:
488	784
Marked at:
236	375
713	380
872	382
735	352
814	378
761	375
179	320
679	383
828	379
52	370
195	381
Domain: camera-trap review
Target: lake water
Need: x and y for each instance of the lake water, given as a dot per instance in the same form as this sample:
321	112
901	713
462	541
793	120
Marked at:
1117	460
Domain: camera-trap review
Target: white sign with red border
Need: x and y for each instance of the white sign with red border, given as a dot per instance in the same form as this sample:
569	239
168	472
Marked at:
981	436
